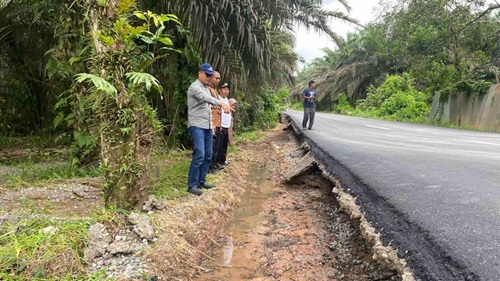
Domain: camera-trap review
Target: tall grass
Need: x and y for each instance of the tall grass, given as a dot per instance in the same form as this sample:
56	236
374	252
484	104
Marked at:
28	252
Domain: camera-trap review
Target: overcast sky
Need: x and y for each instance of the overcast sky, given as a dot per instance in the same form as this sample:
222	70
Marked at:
309	43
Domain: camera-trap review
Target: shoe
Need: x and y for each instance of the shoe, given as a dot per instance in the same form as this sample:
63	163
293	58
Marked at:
310	128
304	128
206	185
213	169
195	190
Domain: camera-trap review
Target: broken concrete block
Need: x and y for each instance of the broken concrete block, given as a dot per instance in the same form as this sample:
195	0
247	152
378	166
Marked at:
305	164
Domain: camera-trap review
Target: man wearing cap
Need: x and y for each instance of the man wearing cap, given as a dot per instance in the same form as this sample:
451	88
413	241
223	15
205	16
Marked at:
200	128
222	131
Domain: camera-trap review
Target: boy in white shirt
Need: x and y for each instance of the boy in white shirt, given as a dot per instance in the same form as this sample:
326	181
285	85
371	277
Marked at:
222	138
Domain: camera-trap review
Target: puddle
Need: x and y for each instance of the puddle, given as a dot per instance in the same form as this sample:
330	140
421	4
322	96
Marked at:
231	261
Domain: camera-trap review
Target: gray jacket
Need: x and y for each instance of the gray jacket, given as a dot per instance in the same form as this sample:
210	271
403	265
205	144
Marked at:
198	99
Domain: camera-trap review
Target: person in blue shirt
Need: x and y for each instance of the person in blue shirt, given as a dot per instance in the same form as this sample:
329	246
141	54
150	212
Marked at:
309	96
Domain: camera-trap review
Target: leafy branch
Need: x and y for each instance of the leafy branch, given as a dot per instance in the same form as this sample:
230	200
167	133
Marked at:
99	83
138	78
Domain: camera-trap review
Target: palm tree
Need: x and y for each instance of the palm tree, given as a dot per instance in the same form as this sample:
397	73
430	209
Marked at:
235	35
359	61
245	40
5	29
318	69
283	58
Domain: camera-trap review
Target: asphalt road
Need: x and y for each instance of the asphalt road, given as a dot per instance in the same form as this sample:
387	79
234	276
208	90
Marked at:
433	193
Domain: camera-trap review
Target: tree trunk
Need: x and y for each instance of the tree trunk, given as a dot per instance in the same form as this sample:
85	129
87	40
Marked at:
125	159
126	138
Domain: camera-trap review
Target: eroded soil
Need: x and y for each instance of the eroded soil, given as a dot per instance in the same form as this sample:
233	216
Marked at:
279	230
289	230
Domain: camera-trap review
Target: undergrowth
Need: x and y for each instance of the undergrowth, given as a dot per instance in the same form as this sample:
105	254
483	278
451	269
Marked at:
35	247
249	136
169	175
33	142
30	173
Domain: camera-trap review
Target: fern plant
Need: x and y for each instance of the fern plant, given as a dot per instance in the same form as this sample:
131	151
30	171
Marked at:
124	43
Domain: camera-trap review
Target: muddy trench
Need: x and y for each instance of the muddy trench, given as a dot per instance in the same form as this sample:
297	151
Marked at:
289	225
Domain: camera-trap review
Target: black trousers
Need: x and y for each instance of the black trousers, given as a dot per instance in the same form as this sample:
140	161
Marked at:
221	143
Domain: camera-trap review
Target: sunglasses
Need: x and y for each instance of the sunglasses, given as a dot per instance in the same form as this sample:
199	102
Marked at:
208	75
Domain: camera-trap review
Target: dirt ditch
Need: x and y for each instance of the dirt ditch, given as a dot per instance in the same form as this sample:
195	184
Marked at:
259	223
290	230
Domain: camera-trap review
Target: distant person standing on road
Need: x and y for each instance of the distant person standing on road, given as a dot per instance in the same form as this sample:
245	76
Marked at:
309	96
200	128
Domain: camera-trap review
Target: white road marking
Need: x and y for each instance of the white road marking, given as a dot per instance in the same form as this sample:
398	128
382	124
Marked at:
377	127
483	142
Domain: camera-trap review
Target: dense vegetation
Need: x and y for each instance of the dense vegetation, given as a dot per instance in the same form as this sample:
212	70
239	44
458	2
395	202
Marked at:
110	79
93	88
392	67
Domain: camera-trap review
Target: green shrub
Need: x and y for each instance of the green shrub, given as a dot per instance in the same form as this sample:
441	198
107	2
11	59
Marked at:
296	106
169	176
395	99
30	172
264	111
342	106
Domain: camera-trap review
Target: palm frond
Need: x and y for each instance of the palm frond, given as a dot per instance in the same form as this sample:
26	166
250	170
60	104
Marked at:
4	32
235	34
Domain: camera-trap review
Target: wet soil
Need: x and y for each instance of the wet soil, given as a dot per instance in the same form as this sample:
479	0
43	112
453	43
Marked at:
289	230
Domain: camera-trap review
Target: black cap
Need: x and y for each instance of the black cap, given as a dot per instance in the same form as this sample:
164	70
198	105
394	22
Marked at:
224	85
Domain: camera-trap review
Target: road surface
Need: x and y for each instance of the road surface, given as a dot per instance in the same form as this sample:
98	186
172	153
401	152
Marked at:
433	193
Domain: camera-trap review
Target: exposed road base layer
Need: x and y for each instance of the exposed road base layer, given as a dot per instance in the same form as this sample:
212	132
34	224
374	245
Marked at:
428	259
385	255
